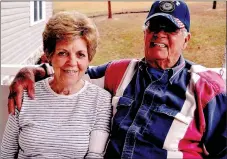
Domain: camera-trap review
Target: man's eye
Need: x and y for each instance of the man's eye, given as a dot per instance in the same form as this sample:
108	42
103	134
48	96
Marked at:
62	54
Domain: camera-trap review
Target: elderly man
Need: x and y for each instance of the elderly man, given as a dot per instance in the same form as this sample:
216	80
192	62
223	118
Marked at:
164	106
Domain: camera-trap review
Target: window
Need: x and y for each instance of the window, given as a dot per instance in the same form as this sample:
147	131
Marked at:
37	12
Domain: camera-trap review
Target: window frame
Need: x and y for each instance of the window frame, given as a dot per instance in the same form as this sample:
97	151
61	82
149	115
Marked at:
32	12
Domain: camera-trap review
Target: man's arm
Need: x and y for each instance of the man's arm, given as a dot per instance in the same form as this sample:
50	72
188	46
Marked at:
27	76
216	127
24	79
96	75
96	72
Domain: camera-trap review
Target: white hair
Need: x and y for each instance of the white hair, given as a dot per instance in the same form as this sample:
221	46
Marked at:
185	33
144	27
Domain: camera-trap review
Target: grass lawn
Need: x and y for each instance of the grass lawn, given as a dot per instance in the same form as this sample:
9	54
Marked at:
122	36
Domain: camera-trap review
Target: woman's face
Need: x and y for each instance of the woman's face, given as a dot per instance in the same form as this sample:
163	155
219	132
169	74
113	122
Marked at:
70	61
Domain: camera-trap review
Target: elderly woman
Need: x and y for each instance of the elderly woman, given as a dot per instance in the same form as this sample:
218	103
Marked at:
69	117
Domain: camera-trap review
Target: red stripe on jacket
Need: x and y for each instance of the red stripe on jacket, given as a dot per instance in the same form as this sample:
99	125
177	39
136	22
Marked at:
114	73
204	93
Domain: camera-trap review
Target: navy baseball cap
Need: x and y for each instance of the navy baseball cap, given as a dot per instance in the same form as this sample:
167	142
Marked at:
175	11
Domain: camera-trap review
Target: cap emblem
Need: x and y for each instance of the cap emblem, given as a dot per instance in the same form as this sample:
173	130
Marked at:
167	6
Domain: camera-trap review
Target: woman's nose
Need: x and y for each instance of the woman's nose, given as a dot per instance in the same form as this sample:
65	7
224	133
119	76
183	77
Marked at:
73	60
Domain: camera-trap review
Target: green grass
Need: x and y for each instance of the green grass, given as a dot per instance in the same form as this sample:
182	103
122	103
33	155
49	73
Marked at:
122	36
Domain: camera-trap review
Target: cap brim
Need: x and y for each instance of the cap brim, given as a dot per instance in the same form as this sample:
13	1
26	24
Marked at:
171	18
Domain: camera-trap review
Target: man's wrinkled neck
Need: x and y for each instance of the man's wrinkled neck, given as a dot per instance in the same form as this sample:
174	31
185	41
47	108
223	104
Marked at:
162	64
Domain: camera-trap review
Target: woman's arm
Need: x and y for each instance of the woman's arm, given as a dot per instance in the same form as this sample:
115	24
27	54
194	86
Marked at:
100	132
9	147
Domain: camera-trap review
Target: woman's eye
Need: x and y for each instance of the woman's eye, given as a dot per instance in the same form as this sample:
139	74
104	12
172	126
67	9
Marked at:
81	54
62	54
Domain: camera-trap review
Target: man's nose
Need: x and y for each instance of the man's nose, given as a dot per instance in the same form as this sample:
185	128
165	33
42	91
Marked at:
159	34
160	31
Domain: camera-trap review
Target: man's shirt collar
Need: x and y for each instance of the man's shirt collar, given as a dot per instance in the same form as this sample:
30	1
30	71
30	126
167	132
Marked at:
173	72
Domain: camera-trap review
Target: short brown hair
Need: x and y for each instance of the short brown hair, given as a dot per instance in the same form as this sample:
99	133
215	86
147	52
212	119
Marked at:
67	26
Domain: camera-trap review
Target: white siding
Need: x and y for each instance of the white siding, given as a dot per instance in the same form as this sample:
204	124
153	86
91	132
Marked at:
20	42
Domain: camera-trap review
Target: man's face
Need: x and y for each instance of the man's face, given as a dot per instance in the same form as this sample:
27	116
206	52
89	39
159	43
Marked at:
164	43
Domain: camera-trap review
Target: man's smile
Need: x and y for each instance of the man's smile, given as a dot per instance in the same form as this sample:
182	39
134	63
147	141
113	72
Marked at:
153	44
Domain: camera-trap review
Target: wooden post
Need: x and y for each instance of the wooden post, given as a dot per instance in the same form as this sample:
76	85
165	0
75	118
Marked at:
214	4
109	10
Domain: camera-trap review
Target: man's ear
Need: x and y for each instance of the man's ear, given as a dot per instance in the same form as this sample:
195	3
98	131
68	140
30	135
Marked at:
145	32
186	40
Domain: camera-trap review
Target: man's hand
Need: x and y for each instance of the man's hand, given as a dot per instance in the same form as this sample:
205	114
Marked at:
24	80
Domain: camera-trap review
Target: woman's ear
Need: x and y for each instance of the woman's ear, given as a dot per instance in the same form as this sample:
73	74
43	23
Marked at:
186	40
47	58
49	61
